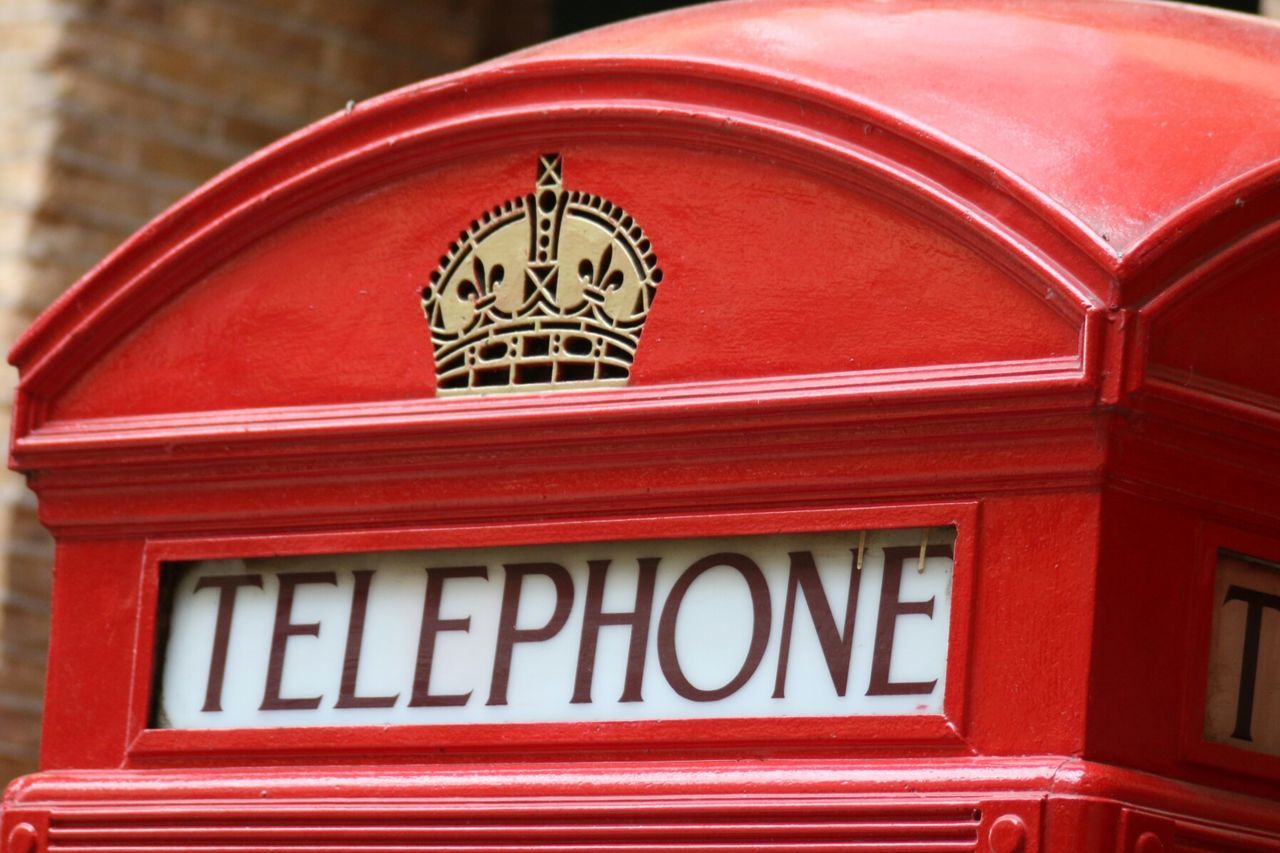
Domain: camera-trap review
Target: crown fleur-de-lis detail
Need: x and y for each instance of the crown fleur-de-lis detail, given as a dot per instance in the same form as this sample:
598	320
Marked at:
549	290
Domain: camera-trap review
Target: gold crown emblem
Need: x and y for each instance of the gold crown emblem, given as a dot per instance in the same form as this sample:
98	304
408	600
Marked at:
544	291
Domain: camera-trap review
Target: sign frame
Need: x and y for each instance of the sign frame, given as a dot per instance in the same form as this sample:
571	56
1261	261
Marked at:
746	737
1195	748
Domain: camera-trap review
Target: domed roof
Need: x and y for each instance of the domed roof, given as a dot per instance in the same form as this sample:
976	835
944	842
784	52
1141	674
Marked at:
905	195
1123	114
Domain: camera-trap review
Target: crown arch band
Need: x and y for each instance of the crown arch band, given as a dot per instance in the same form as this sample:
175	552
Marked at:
143	277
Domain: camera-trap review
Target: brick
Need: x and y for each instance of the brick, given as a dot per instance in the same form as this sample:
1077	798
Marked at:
71	242
13	272
28	574
195	20
23	679
22	673
24	522
344	17
45	282
12	768
292	48
24	135
30	39
29	9
428	34
20	727
6	498
29	286
14	224
23	627
105	219
511	26
20	718
116	102
22	668
179	63
86	45
12	323
83	135
365	71
182	161
75	187
160	200
249	89
428	26
28	92
23	179
13	291
247	134
148	11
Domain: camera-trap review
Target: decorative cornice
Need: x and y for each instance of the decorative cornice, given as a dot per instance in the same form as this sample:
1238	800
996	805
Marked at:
864	397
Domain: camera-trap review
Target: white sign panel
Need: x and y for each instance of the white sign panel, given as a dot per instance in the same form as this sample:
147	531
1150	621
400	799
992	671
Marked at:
759	626
1242	706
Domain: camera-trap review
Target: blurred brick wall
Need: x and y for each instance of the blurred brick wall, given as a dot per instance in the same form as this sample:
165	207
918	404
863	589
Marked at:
113	109
30	34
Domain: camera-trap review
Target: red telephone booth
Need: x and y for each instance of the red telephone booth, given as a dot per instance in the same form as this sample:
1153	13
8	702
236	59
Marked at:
775	426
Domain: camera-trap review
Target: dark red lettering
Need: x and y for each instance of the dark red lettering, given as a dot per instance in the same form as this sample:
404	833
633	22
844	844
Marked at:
509	634
433	625
347	697
891	607
762	621
837	646
637	620
280	634
227	586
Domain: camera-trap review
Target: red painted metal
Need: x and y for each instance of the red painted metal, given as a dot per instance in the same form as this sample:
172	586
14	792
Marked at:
1005	265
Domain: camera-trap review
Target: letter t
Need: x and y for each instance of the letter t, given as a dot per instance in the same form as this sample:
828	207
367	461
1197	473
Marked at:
1257	601
227	586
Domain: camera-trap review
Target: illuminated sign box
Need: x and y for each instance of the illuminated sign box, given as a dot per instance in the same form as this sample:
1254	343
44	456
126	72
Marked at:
806	624
1242	707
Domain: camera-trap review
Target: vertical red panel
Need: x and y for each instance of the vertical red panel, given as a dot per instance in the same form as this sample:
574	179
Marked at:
91	654
1030	670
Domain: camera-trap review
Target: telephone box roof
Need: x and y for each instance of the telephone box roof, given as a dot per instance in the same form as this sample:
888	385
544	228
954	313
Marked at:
1131	121
1094	151
1123	115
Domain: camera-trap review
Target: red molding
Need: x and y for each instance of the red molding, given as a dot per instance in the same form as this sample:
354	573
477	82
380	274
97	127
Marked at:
744	802
826	401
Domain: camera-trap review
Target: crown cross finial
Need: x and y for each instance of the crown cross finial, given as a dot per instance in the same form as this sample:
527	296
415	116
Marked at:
540	278
545	291
549	172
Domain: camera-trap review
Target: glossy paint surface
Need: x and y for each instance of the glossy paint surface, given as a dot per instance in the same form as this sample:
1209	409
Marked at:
816	279
1002	266
1121	114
